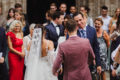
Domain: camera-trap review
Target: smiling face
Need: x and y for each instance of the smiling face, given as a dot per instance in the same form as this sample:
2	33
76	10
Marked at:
17	28
98	24
80	21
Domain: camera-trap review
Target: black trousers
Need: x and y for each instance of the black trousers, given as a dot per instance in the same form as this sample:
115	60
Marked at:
3	72
60	76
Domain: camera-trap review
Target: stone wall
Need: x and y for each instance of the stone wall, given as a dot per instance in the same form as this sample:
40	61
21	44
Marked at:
95	6
7	4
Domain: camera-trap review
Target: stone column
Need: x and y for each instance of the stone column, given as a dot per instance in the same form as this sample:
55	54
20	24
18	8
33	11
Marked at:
24	5
79	3
7	4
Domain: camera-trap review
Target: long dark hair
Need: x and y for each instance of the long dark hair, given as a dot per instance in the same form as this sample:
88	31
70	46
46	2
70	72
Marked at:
118	23
11	9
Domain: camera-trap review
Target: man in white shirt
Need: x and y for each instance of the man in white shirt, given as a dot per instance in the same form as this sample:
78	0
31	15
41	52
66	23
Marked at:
106	18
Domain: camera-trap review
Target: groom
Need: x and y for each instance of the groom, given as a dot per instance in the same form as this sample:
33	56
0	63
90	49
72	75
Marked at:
55	29
76	53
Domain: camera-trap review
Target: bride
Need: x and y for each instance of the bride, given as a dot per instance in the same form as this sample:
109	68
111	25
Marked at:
40	58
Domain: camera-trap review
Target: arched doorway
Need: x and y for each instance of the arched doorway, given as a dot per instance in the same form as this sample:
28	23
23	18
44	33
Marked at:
36	9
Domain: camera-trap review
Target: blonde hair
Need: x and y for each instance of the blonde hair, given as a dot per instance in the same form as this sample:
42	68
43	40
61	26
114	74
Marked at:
22	17
13	25
32	26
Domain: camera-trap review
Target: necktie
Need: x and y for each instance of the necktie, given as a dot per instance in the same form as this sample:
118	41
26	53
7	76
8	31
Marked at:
83	34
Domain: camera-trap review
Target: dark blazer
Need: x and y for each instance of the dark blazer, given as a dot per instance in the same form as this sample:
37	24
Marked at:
91	35
3	44
52	34
76	58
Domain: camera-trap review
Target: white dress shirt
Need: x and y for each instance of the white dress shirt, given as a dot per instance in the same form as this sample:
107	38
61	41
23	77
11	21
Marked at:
56	27
106	22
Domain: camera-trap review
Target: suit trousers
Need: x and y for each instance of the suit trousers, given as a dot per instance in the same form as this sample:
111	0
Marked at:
3	72
60	76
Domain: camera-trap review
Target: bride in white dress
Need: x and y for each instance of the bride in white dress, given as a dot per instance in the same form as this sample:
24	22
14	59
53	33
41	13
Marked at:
41	57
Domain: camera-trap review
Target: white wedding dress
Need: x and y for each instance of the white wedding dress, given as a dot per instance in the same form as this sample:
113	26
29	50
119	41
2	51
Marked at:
39	68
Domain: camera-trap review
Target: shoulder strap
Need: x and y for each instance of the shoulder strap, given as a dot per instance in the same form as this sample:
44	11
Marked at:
29	37
47	45
103	33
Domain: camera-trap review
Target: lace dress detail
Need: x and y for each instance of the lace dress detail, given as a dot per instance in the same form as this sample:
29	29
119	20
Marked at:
41	68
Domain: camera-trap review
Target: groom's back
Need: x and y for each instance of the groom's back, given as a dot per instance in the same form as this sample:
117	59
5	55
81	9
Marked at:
76	51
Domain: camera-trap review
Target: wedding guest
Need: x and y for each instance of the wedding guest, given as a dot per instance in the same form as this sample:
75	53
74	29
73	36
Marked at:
10	17
63	8
53	7
112	25
104	43
27	42
115	37
3	48
66	18
19	16
86	31
105	17
18	7
85	10
73	10
16	53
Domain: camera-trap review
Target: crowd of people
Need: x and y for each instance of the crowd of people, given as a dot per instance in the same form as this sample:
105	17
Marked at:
68	46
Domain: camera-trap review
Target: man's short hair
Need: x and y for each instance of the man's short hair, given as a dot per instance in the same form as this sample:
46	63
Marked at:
50	13
53	4
71	25
77	13
56	14
18	5
104	7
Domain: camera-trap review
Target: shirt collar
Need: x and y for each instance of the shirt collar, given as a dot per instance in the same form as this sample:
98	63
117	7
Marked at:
73	35
84	28
54	24
105	17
